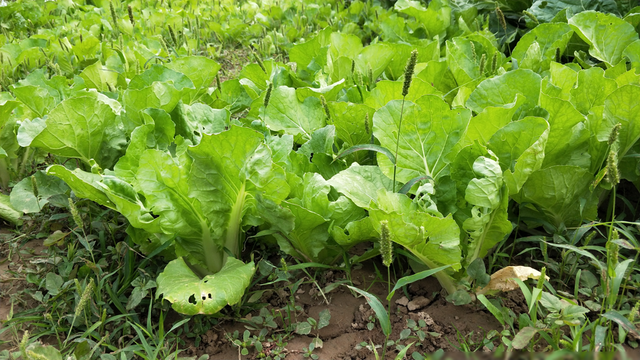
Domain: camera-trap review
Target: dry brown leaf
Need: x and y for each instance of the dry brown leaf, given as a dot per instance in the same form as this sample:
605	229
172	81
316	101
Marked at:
503	279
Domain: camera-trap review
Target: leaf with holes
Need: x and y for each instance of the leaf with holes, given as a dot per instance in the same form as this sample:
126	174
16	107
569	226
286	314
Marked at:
193	295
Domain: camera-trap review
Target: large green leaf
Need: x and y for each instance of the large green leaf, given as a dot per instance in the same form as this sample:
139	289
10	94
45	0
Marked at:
193	121
607	35
191	295
99	77
488	223
200	70
491	119
433	240
85	127
158	95
560	194
36	98
435	19
564	78
24	198
520	149
549	38
592	89
361	184
157	133
568	133
463	57
127	202
387	90
308	240
297	118
546	11
501	90
84	184
7	211
622	107
349	120
159	73
228	171
355	232
429	132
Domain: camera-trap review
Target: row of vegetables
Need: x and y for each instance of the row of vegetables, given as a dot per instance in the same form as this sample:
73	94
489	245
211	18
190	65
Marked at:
435	138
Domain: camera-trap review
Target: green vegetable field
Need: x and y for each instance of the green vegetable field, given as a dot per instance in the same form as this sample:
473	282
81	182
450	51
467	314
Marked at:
319	179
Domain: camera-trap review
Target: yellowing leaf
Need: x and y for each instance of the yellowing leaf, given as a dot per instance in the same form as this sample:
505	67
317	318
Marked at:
504	279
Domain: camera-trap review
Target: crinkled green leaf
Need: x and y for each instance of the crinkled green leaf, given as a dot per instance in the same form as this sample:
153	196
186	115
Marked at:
564	78
231	96
607	34
592	89
200	70
296	118
36	98
308	239
491	119
127	202
546	11
193	121
191	295
84	184
622	107
349	120
434	240
355	232
85	127
568	134
501	90
322	141
489	223
430	131
99	77
549	38
158	95
361	183
463	57
24	199
159	73
436	18
632	51
387	90
562	194
520	147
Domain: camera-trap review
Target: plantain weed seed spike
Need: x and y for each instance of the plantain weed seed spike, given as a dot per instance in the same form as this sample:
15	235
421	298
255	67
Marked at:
23	344
267	97
366	123
386	247
325	107
114	17
501	19
613	135
532	17
130	11
408	72
172	35
494	63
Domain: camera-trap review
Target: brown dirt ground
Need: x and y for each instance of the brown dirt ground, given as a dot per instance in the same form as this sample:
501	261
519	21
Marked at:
349	318
10	280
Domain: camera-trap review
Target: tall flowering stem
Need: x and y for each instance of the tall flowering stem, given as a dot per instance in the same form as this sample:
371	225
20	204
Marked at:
408	75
